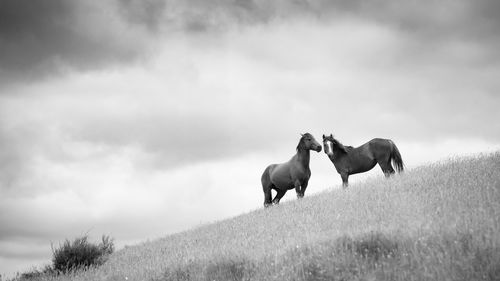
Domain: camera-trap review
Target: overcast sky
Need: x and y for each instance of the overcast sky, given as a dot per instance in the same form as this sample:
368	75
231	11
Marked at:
138	119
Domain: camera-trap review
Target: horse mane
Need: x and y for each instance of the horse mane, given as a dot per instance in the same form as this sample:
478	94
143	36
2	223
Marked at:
343	148
302	145
348	148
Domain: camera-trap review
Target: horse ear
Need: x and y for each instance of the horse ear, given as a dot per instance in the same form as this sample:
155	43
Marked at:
301	135
323	136
331	135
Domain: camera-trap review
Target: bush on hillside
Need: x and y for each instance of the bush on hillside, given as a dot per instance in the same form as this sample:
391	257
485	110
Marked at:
34	274
81	254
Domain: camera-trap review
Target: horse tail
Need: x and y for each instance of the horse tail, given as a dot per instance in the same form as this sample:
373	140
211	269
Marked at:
396	158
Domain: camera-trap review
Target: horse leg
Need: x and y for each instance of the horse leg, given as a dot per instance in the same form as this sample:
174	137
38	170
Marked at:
297	189
267	186
279	195
345	180
386	168
267	196
303	188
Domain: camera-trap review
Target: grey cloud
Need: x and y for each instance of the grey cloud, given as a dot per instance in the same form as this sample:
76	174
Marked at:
426	24
39	38
176	140
16	150
147	12
164	140
31	253
24	23
18	224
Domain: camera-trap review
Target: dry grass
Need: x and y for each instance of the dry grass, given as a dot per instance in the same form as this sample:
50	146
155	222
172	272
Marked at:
436	222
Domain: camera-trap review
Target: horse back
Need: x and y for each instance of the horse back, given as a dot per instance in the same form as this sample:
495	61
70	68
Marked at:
356	160
380	147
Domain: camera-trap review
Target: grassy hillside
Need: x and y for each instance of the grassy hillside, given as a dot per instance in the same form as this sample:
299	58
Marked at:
436	222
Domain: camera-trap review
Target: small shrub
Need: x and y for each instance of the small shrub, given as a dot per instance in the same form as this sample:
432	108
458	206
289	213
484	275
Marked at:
81	254
34	274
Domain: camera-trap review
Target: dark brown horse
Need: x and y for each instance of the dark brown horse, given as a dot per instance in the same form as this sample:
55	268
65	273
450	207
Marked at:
349	160
292	174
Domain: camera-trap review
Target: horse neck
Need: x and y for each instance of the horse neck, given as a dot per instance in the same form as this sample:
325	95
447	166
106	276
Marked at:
337	155
303	156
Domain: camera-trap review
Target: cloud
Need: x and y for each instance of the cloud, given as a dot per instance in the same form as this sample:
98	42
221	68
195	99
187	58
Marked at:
148	13
43	38
223	95
46	38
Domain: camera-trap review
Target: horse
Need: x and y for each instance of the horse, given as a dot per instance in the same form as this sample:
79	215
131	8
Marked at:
292	174
349	160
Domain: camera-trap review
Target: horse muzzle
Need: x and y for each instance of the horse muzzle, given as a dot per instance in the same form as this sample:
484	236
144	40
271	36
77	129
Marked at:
318	148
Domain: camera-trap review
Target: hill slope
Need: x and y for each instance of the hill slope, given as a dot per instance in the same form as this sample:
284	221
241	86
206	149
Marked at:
436	222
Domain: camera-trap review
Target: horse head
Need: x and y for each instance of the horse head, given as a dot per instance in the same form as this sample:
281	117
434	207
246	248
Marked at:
331	145
308	142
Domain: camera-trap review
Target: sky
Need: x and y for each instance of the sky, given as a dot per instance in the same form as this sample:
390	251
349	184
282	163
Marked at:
137	119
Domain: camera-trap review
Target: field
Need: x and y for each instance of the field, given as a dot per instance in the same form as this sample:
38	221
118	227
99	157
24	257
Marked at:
436	222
